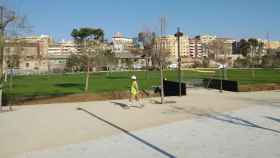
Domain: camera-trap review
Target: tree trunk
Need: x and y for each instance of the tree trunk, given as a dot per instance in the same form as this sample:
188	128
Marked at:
10	90
0	98
5	76
110	70
225	69
221	80
107	69
87	77
146	73
252	64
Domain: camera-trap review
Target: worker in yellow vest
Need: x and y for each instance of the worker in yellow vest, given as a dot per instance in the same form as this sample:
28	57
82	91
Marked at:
134	91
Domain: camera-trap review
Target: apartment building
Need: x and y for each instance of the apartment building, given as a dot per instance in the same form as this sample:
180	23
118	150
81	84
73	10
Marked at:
170	44
27	53
196	49
58	53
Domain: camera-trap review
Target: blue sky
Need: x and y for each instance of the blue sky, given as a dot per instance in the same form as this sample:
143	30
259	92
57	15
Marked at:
226	18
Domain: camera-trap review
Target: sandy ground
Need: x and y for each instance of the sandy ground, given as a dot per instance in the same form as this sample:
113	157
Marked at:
50	127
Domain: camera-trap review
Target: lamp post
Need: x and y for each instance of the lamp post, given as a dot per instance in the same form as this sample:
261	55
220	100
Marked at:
178	35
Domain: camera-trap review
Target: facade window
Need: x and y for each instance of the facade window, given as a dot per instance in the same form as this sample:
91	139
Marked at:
8	50
27	65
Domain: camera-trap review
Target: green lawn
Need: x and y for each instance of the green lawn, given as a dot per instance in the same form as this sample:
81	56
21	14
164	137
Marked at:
99	82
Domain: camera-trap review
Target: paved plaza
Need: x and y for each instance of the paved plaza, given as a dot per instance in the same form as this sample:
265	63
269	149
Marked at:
205	123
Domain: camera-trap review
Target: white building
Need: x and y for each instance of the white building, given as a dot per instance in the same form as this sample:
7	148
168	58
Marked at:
205	39
121	44
58	54
62	48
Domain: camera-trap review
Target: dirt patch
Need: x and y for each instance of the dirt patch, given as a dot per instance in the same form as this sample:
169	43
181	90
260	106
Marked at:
259	87
83	97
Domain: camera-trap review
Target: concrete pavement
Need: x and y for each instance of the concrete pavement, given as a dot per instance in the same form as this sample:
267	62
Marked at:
203	124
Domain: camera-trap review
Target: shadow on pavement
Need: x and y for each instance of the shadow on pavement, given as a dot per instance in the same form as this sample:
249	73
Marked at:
122	105
153	101
163	152
126	106
261	102
225	118
237	121
273	118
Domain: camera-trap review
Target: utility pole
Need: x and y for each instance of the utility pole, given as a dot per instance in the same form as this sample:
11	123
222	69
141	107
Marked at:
178	35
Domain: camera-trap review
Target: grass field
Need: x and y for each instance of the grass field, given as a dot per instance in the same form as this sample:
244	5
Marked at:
119	81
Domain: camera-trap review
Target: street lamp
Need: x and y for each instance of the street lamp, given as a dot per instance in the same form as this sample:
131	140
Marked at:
178	35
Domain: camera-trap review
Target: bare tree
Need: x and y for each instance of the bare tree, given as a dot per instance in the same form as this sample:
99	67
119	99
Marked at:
217	48
256	49
147	38
161	57
219	52
106	59
7	16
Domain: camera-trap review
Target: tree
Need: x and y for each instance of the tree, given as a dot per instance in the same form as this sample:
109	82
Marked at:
7	16
90	41
106	59
217	48
205	62
241	62
271	59
74	63
219	53
243	48
253	49
148	40
256	51
161	57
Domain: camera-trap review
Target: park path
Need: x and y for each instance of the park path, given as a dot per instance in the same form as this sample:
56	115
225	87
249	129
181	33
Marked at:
190	123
